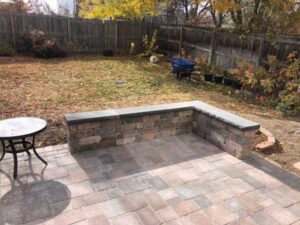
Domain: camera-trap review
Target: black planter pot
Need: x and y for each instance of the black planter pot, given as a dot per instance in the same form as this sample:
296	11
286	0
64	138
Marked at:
236	85
218	79
227	81
108	52
208	77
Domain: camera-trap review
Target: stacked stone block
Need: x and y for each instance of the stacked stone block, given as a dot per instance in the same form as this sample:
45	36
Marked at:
235	141
128	129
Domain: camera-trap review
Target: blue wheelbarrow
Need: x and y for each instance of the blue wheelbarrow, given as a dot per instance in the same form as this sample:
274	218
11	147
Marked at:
182	68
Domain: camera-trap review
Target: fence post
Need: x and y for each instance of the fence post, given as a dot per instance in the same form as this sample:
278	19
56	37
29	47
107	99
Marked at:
212	48
69	29
101	35
149	29
260	51
143	30
116	35
13	32
180	39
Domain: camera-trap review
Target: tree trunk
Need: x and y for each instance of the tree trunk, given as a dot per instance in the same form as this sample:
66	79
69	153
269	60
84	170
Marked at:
254	17
186	10
220	20
76	8
237	16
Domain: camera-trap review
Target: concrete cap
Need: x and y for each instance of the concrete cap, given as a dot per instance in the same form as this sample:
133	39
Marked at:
226	117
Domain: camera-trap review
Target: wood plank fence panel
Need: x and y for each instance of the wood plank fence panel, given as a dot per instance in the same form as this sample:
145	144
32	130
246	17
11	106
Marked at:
109	35
128	33
6	29
75	34
228	48
82	35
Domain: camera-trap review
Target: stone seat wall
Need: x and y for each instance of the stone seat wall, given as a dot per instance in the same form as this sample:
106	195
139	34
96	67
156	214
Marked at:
107	128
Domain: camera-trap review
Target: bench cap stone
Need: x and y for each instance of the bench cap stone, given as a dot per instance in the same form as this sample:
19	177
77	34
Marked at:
229	118
84	117
154	109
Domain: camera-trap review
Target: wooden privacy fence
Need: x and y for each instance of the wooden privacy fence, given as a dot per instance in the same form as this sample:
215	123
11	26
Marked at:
225	48
75	34
82	35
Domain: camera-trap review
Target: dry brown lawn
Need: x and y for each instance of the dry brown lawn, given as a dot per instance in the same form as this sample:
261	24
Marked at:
50	88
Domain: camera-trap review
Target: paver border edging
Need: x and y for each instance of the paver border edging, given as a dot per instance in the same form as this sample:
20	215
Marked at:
266	163
271	141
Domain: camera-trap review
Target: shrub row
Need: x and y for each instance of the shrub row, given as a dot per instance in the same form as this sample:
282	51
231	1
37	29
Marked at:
6	50
36	43
277	83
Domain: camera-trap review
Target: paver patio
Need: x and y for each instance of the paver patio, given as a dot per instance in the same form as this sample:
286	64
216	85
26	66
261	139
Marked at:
175	180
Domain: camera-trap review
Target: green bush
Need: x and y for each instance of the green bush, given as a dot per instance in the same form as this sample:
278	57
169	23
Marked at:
278	83
289	105
289	98
6	50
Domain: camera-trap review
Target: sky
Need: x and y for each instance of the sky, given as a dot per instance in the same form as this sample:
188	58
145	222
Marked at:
57	5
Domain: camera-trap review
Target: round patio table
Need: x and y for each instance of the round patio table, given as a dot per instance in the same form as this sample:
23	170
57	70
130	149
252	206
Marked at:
14	135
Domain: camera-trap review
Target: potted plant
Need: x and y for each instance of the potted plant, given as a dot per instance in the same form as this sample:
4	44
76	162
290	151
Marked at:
108	52
208	76
236	84
218	76
227	79
203	66
236	74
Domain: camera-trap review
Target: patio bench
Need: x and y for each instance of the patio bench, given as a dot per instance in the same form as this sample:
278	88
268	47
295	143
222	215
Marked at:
102	129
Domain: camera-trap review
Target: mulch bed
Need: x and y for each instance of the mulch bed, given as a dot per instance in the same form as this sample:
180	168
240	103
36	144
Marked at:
55	134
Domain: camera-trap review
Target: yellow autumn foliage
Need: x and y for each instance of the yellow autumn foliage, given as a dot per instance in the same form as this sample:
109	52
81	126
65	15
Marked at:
118	8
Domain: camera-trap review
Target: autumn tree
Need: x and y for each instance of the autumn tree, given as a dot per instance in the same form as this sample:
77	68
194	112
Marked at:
133	9
196	10
28	6
77	7
261	16
14	6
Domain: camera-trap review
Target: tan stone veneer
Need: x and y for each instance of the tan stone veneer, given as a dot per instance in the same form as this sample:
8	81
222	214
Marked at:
229	132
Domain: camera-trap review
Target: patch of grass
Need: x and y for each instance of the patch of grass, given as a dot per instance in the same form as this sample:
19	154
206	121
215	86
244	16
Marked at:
80	83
